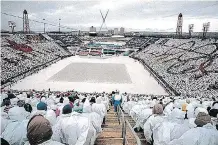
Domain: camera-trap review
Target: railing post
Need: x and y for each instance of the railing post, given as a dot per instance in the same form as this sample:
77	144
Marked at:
123	125
124	132
118	113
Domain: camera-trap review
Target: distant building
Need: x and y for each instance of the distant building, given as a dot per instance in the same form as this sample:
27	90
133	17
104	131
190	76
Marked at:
110	32
92	31
116	32
122	30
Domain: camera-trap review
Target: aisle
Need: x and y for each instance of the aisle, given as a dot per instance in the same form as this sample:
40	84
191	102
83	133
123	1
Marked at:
112	131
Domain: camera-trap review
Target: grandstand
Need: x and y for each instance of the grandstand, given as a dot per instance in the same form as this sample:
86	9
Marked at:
23	55
178	62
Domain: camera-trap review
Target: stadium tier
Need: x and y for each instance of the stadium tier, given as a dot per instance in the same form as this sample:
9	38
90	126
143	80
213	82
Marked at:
187	65
21	55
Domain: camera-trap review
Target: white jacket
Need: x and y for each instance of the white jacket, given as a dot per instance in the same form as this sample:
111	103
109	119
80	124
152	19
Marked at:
206	135
100	109
87	107
15	132
167	131
95	127
150	124
71	129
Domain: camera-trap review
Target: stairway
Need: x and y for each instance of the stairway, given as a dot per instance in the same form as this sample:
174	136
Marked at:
112	132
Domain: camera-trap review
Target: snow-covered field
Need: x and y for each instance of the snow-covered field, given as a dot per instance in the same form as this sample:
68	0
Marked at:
93	74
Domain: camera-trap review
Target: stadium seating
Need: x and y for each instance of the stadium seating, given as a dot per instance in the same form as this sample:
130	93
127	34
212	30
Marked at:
66	40
21	54
187	65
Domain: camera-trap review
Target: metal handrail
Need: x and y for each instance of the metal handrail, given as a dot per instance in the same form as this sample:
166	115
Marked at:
133	132
125	124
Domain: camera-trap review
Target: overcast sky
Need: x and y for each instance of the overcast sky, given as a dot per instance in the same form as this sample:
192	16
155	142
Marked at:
149	15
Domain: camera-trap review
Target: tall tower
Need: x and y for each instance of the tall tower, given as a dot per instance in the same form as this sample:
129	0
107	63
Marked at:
179	25
205	28
26	27
12	25
190	29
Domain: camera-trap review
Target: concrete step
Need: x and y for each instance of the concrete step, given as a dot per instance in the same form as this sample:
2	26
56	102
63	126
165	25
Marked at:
112	123
112	126
109	141
110	134
116	129
114	141
111	120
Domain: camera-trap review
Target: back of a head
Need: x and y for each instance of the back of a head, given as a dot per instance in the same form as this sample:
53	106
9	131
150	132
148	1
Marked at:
67	109
92	100
158	109
39	130
202	119
83	100
7	102
28	108
41	106
21	103
61	100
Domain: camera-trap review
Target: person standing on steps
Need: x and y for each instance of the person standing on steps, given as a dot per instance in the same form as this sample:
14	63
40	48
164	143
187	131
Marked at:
116	99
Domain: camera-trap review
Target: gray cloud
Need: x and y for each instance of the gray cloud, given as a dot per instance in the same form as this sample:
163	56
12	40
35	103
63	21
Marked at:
127	13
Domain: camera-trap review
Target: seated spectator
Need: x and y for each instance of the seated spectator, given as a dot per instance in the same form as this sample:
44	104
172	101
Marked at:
39	132
71	128
99	108
15	131
204	134
8	105
152	121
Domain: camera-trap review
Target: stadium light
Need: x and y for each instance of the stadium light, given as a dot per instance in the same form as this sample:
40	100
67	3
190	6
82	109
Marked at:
59	25
44	25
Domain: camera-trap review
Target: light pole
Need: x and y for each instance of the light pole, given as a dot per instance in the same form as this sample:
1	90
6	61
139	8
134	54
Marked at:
44	25
59	25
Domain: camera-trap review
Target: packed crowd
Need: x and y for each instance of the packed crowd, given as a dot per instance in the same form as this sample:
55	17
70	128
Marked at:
66	40
15	62
74	118
187	65
137	42
174	120
52	118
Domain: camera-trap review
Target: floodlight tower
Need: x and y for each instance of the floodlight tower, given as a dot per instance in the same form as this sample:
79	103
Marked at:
190	29
26	27
44	25
11	24
179	25
59	25
206	27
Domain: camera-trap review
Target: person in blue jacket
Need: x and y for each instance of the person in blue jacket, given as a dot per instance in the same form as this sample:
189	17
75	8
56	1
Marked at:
116	99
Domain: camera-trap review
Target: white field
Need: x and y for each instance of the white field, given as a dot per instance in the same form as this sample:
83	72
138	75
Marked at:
54	77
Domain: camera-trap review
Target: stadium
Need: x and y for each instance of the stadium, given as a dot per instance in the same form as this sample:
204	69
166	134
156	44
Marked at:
103	86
